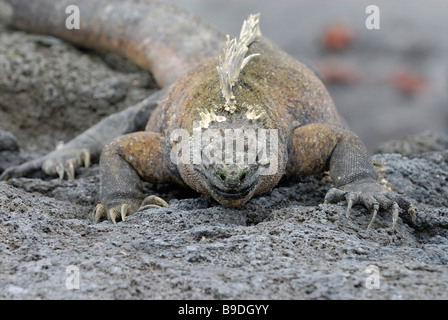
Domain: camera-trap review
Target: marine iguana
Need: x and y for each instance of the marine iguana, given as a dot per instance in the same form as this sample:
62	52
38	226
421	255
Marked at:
234	92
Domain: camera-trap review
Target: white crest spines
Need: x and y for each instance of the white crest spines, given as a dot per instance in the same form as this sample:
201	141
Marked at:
235	59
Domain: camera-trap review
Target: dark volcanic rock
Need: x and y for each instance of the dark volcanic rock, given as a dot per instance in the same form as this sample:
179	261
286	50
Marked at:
285	244
8	142
415	144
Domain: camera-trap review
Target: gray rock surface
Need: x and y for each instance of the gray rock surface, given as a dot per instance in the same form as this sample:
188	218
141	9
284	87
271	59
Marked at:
8	142
51	91
414	144
284	245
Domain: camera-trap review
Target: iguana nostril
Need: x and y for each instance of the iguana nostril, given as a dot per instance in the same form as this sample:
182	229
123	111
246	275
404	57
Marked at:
232	175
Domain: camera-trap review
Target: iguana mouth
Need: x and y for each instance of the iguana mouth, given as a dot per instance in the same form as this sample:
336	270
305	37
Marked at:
235	193
234	189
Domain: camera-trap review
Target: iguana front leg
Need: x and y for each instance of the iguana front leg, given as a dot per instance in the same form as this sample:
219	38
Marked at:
87	146
124	163
319	147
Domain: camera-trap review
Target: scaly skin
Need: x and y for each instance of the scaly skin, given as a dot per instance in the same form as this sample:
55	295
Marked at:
272	91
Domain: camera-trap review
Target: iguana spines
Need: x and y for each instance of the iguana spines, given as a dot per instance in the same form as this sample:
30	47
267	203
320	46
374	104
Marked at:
234	58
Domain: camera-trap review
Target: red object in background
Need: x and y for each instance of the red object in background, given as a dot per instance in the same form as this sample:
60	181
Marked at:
337	71
337	37
408	81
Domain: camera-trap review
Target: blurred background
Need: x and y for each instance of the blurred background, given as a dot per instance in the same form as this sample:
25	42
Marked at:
387	83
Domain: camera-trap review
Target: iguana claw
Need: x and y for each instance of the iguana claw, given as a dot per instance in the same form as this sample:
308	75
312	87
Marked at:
150	202
112	214
373	196
153	202
65	165
351	199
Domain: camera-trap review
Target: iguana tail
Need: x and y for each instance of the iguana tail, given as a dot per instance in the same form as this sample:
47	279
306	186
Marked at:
156	36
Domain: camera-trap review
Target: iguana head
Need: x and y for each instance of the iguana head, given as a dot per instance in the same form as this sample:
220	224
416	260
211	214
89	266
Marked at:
232	151
237	154
231	159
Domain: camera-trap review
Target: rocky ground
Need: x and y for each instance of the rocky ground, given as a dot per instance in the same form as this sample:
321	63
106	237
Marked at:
283	245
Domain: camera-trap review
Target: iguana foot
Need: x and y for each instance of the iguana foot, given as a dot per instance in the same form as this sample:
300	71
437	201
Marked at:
65	163
124	210
373	196
60	163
